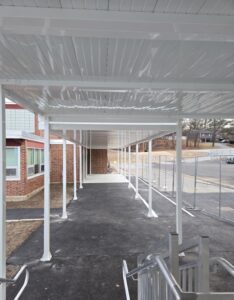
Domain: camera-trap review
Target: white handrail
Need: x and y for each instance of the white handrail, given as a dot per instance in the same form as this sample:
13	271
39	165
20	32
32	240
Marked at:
125	272
14	280
22	269
224	263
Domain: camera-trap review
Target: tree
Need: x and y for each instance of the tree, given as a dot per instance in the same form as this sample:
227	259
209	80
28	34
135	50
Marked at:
217	126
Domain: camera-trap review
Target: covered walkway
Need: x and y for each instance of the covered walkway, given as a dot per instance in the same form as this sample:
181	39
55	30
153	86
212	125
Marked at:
104	227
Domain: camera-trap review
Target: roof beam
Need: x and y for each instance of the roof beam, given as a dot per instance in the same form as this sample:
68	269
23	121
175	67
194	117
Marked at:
95	23
124	86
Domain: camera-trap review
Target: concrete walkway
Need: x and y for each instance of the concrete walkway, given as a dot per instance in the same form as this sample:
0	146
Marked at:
104	227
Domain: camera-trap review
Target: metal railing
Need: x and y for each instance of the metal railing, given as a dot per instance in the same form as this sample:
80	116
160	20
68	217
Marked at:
207	182
23	269
158	281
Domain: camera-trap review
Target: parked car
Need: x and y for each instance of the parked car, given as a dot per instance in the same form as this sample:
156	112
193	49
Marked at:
230	160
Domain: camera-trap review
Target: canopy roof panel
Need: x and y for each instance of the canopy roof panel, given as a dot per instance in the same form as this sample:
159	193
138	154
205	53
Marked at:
175	6
107	139
85	62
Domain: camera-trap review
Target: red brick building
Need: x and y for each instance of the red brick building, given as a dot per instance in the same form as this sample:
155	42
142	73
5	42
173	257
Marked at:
25	155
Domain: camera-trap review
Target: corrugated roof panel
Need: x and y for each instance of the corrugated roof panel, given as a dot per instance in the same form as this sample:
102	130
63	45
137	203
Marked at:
31	57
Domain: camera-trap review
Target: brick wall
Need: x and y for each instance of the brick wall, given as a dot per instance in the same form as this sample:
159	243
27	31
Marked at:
56	162
24	186
99	161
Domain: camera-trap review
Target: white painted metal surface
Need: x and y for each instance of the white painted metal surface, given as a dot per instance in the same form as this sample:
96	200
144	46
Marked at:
2	196
64	214
137	171
179	180
74	170
81	162
129	167
46	250
150	212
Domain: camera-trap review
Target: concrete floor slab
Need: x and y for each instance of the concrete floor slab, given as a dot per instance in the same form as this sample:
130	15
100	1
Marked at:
105	178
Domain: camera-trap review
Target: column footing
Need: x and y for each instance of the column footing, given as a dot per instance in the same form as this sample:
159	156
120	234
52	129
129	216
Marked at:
46	257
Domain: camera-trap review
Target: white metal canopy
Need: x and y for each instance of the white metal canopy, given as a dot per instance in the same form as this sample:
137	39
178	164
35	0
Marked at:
120	71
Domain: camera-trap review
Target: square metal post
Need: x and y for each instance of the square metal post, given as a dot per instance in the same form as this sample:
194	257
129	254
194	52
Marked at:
125	162
2	195
129	167
74	169
90	153
46	253
203	265
150	212
64	215
179	180
174	255
81	162
137	171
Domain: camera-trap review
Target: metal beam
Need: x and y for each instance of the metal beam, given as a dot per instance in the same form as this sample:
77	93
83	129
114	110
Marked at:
96	23
125	85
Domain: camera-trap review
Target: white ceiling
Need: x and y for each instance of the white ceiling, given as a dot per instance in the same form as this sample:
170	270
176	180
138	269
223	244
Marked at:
157	60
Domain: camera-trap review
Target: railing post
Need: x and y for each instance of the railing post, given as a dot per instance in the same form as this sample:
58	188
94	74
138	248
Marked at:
129	167
2	195
137	171
203	265
174	255
74	169
64	215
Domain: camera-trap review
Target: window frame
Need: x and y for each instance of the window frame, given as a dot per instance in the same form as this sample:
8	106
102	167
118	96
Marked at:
40	165
18	168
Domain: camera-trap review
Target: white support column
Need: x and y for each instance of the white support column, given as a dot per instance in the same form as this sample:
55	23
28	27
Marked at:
137	171
83	160
86	162
64	215
2	195
118	161
129	167
81	164
150	212
121	161
179	180
46	253
125	162
74	169
90	155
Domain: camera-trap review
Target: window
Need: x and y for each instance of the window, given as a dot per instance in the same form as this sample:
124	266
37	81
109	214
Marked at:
35	161
20	119
13	163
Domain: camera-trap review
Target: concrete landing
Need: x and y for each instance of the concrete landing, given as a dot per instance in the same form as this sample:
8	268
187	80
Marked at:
105	178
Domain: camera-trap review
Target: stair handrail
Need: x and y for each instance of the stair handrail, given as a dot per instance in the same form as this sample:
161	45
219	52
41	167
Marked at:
14	280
